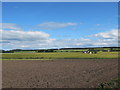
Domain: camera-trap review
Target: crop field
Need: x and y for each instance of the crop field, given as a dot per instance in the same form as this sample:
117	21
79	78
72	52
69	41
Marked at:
58	55
58	73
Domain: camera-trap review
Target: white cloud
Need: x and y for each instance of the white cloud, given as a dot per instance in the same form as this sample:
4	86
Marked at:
12	39
109	38
107	35
23	39
11	26
55	25
35	39
23	35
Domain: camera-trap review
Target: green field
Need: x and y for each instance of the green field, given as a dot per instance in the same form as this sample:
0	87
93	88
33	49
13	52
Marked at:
57	55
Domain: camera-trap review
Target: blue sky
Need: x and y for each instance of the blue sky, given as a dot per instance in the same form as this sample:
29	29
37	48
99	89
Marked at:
59	24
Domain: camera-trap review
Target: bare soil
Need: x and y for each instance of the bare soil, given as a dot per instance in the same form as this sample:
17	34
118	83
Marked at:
64	73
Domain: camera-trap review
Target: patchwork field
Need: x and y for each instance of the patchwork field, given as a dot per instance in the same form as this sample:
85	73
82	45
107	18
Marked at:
62	73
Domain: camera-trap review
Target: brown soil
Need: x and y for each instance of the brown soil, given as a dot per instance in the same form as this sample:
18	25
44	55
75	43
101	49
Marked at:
68	73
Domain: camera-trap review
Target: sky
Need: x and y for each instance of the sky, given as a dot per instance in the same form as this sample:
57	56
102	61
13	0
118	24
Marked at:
43	25
60	1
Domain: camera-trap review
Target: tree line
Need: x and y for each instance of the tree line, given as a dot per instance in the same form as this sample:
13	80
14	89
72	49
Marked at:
94	50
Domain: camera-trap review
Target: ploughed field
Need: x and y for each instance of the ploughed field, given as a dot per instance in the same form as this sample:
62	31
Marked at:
59	73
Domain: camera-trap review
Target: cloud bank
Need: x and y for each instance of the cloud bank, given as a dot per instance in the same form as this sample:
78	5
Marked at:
19	39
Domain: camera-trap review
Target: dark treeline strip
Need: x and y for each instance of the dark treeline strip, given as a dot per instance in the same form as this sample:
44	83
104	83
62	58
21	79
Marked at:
94	49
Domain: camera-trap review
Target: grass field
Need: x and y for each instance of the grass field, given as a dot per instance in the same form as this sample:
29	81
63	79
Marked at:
57	55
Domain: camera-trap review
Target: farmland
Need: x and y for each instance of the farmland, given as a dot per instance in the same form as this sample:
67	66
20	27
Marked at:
58	73
59	68
57	55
